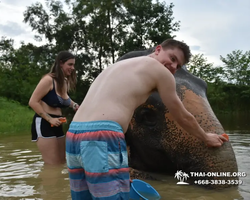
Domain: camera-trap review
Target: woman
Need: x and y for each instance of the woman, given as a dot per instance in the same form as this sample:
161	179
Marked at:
50	95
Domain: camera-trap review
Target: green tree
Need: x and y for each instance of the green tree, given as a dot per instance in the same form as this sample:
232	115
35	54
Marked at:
96	31
21	69
64	31
232	91
102	29
200	67
148	23
237	67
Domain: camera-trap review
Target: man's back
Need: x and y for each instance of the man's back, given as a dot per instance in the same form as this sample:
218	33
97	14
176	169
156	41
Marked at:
119	89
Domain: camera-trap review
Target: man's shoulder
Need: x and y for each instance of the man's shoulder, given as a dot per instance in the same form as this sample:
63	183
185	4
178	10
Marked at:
143	63
145	60
152	64
148	59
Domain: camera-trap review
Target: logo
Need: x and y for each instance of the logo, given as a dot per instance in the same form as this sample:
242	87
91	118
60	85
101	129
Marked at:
181	176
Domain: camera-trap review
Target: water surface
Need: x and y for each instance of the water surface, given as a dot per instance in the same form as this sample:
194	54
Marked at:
24	176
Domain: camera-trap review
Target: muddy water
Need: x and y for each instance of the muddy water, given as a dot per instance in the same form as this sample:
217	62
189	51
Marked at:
23	175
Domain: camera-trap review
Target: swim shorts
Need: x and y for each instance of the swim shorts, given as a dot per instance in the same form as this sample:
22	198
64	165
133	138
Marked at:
42	128
97	161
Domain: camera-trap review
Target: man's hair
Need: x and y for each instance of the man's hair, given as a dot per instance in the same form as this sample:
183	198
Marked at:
171	43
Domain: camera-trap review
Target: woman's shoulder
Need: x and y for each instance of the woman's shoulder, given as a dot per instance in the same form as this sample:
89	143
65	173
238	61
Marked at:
47	77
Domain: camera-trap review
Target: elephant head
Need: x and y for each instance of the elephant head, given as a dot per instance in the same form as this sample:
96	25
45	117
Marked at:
157	143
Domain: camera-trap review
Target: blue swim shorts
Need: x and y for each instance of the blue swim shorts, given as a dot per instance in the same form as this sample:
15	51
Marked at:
97	161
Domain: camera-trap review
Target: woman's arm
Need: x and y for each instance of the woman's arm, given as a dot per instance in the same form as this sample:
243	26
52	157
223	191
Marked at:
40	91
74	105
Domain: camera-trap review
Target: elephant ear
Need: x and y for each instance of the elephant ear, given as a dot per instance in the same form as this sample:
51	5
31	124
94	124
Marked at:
146	116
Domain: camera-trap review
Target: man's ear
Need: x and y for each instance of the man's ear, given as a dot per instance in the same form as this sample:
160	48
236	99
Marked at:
158	48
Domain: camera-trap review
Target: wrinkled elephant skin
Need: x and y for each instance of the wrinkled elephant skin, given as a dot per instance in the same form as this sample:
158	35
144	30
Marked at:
157	143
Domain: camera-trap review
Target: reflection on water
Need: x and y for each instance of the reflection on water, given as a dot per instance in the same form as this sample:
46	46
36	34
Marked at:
53	183
241	145
23	175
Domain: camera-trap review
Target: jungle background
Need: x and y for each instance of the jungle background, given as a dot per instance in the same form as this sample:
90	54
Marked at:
98	32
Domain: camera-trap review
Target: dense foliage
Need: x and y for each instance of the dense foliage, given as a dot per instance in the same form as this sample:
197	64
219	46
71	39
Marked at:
98	32
228	85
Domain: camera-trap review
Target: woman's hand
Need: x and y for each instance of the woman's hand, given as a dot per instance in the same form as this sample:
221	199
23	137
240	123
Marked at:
55	122
75	106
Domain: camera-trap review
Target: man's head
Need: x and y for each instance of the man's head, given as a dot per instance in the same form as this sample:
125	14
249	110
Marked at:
172	54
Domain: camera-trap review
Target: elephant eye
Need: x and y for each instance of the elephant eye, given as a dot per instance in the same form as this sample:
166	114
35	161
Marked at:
146	117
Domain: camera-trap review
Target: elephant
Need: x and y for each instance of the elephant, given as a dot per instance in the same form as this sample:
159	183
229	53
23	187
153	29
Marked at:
156	143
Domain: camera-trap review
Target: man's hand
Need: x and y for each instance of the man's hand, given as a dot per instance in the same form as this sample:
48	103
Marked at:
214	140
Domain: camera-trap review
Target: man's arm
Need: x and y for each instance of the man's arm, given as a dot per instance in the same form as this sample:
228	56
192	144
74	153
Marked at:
166	87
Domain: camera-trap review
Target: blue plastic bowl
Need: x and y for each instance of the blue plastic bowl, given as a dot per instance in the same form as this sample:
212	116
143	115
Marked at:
141	190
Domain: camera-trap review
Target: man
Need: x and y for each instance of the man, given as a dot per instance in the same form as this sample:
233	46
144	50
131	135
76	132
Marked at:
95	146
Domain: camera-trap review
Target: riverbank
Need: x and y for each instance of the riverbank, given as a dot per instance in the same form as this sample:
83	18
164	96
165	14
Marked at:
14	117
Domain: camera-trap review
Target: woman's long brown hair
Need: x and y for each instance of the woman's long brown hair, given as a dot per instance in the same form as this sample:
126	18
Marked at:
57	73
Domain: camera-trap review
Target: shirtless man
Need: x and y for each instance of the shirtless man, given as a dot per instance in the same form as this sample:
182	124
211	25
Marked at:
95	143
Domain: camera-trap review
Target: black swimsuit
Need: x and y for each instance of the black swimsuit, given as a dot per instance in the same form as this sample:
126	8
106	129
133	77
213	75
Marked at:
40	127
54	100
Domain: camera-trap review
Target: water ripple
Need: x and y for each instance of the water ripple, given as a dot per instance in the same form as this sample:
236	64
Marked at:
23	175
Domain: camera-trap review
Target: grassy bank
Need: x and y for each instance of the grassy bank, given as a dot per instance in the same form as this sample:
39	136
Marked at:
14	118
